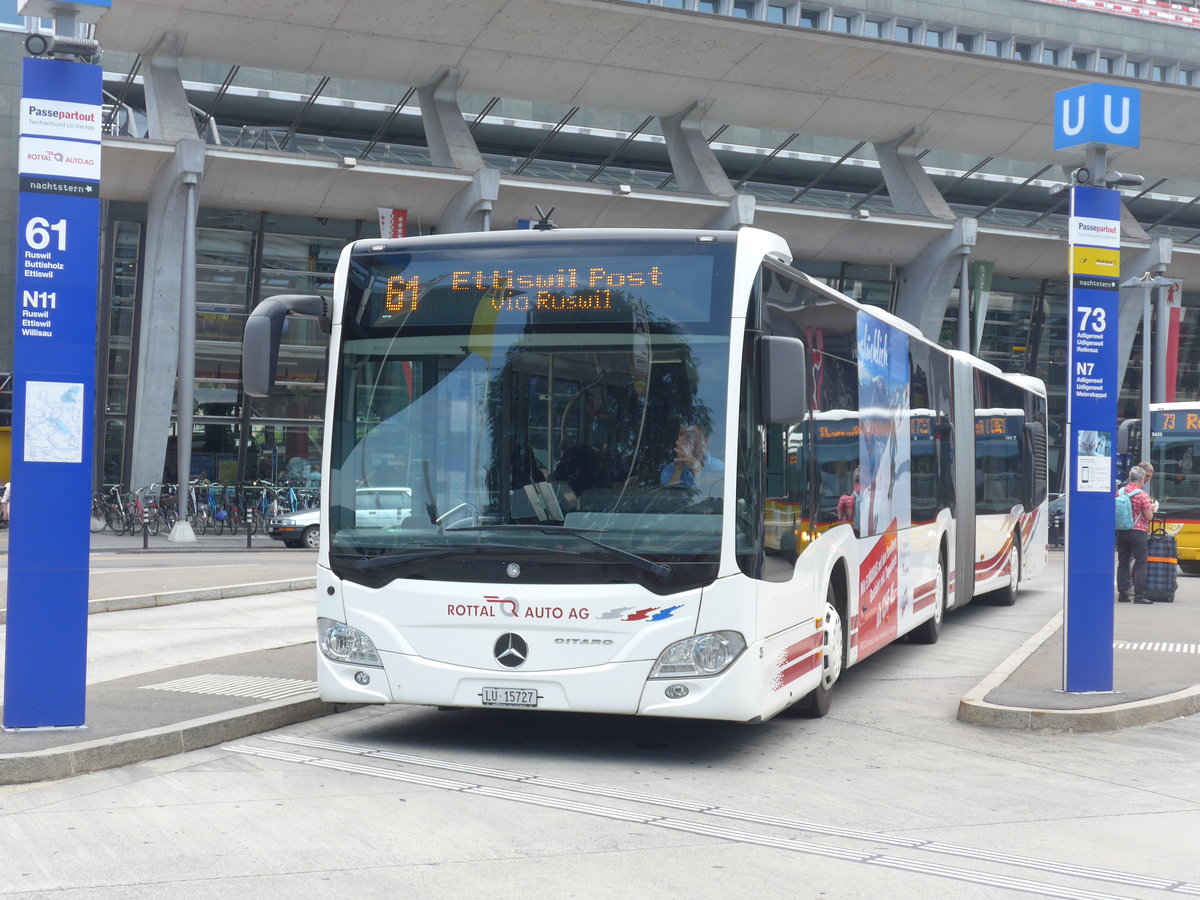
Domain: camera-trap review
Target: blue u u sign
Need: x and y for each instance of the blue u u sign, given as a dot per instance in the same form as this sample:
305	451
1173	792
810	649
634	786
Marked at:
1097	114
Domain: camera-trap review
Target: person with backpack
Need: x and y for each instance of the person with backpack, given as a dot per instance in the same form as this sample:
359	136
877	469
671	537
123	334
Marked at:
1135	509
1146	467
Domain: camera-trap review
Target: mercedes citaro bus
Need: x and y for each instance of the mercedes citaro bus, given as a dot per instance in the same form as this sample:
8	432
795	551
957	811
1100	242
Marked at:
652	472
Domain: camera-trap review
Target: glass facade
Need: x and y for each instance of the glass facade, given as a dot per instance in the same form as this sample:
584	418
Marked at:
240	259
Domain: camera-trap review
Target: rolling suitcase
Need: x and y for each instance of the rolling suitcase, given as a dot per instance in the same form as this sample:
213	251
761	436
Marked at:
1162	577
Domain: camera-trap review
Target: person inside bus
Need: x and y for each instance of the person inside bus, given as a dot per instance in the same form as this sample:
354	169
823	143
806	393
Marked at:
693	465
847	508
582	467
1132	543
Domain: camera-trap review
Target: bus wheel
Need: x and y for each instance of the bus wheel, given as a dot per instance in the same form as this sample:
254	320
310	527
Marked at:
833	658
1190	566
930	630
1007	595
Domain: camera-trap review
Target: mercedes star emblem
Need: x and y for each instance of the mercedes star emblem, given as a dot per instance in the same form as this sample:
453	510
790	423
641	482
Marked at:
510	650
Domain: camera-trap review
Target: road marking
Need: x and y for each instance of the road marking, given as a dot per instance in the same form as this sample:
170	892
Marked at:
1127	879
698	828
256	687
1160	646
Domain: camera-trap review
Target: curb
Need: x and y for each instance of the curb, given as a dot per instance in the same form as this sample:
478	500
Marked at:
108	753
973	709
172	598
175	548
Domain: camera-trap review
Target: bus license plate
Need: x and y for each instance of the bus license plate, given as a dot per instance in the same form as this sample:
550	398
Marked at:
525	698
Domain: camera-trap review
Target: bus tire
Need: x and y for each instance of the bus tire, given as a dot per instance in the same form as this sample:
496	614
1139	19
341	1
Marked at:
1007	595
930	630
833	660
1189	566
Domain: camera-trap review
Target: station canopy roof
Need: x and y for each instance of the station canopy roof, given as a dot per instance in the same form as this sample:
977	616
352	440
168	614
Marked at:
641	58
618	55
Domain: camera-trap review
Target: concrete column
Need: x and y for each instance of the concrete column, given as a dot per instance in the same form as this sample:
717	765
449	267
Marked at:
471	208
1131	228
168	253
1162	327
1154	259
168	115
696	167
451	143
909	185
739	214
928	280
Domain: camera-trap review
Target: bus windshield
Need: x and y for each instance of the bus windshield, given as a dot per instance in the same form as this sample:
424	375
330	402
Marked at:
1173	444
532	407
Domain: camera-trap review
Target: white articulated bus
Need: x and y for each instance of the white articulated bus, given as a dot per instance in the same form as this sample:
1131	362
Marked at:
652	472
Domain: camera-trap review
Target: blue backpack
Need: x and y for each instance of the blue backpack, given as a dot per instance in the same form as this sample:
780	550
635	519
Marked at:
1125	509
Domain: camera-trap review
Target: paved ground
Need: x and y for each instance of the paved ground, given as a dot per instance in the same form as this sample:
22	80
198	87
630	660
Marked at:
126	576
167	675
1156	672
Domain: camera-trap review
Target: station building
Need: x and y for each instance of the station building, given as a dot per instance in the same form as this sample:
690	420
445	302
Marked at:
903	150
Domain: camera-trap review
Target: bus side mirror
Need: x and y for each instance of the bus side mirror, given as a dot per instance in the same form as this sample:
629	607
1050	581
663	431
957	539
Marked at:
785	380
263	333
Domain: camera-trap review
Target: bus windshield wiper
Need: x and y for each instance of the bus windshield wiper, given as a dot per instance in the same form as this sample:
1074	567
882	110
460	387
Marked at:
660	571
370	563
367	563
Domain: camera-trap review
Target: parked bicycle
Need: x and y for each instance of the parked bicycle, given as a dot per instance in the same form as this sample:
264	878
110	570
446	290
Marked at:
115	514
200	515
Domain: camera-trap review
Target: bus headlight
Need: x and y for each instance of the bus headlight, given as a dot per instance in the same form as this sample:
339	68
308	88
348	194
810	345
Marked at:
702	654
341	643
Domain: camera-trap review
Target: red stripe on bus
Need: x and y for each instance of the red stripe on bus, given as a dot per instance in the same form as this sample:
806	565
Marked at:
796	669
989	568
924	595
801	648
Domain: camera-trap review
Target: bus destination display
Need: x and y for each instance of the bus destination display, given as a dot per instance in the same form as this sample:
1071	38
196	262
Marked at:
523	291
1174	423
411	290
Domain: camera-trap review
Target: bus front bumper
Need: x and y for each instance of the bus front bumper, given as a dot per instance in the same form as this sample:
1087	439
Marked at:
614	688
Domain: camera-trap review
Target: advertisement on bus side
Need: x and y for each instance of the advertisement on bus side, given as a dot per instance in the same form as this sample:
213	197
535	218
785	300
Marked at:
885	504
